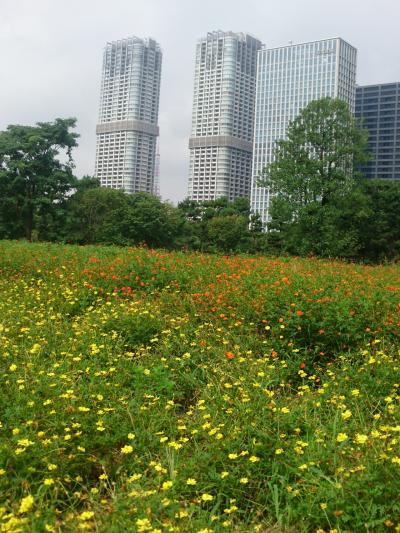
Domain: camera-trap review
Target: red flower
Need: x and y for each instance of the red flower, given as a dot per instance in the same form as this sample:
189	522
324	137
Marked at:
299	313
230	355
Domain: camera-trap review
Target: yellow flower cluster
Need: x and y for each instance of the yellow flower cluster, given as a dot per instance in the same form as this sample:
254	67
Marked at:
176	392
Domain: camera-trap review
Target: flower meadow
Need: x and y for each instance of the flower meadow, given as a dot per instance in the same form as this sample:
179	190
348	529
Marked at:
149	391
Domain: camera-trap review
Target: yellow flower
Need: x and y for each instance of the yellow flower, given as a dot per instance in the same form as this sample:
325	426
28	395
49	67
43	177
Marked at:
191	481
224	475
244	480
361	439
13	368
355	392
175	445
131	436
166	485
254	459
86	515
49	481
341	437
135	477
346	414
25	443
231	509
127	449
207	497
26	504
323	505
279	451
233	456
143	522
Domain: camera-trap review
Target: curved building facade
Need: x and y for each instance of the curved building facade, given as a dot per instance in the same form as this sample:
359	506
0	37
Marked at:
223	116
127	130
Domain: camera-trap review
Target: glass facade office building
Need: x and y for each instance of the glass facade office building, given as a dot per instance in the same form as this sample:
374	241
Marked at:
127	130
221	139
288	79
378	108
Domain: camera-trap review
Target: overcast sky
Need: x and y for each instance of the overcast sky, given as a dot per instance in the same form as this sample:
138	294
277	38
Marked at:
51	56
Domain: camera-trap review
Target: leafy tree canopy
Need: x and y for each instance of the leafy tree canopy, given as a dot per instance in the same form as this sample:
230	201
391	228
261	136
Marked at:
318	158
34	180
200	211
110	216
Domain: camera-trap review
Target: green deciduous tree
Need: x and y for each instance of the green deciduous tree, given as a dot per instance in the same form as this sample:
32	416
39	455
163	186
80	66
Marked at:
228	233
380	231
94	215
313	182
330	230
153	222
318	158
109	216
222	226
34	181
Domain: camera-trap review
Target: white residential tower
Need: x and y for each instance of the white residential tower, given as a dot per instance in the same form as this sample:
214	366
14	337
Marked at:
127	130
221	140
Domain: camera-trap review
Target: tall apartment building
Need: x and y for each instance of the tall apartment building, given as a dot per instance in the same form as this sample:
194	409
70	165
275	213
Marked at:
378	107
288	79
221	140
127	129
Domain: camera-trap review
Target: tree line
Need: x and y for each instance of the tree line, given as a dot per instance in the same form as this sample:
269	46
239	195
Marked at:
321	205
41	199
